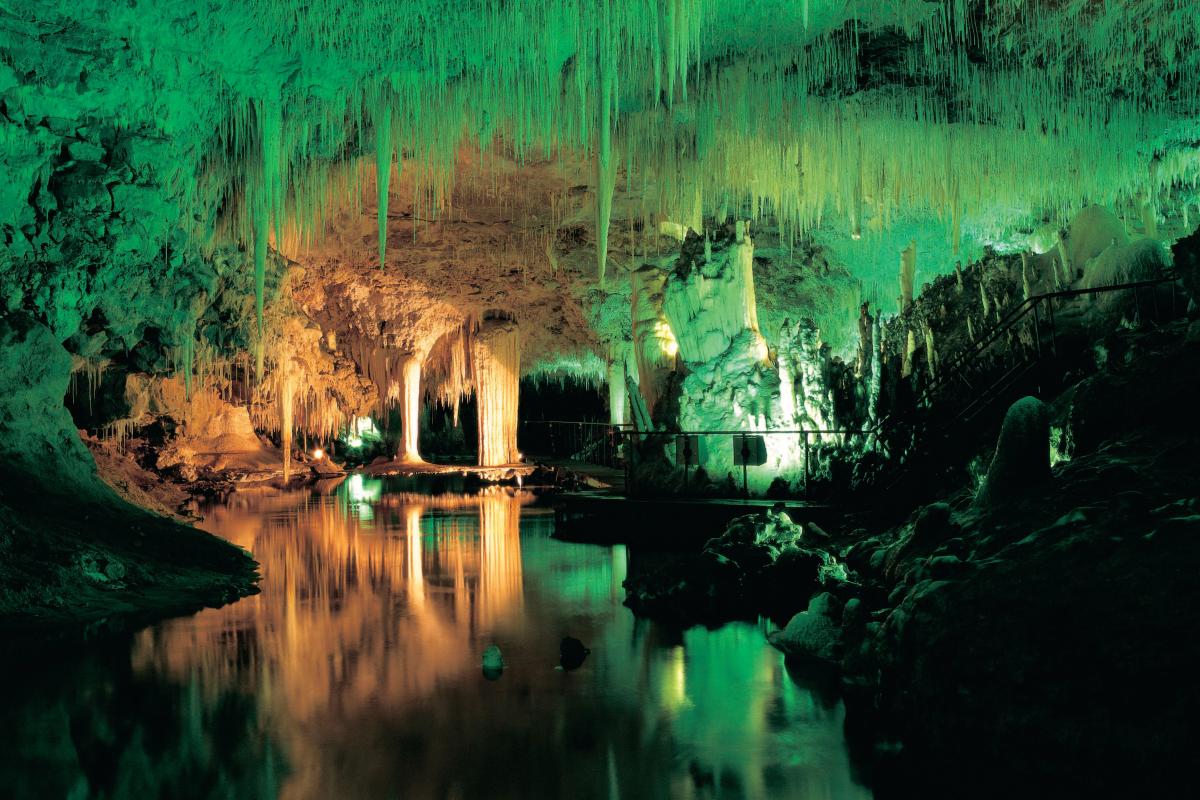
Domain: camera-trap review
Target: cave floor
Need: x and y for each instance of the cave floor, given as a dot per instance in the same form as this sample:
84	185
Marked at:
497	474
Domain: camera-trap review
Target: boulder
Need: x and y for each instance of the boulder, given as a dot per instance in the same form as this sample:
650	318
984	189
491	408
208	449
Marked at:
814	633
1022	457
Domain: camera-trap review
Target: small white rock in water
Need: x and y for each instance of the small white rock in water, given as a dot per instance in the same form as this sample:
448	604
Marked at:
492	660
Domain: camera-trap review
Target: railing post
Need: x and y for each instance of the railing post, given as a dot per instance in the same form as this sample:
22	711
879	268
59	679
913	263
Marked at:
1053	330
806	472
687	460
1037	333
745	467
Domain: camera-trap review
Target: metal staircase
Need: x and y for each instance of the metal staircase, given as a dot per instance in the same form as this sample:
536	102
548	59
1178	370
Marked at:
1005	361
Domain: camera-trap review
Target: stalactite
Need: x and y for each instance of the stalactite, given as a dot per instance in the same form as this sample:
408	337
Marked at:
261	225
286	400
383	174
496	358
606	174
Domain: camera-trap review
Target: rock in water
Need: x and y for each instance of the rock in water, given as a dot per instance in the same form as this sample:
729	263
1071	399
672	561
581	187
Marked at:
493	662
1022	457
815	633
572	653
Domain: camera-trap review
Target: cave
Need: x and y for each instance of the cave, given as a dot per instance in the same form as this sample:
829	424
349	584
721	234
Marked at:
599	398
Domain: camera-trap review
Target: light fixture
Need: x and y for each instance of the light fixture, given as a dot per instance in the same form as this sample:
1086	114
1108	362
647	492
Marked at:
318	454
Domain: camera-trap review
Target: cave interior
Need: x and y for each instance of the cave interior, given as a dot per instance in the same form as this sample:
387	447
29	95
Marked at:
852	344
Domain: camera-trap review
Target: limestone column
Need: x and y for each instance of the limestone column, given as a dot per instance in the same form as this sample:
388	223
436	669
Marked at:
654	344
496	362
410	408
618	400
287	395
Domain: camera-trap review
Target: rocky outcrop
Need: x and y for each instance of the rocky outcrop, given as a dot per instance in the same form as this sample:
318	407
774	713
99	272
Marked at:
1052	627
761	563
74	555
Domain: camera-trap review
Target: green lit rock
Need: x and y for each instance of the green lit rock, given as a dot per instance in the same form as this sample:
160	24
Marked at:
1022	457
815	632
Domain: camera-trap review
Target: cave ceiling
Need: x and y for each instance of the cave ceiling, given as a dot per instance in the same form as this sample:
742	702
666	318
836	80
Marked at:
534	149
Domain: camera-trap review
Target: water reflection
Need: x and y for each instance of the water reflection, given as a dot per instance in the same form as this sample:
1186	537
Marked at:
361	659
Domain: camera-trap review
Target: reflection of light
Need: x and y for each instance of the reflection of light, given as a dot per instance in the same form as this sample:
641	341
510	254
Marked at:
674	680
354	441
363	491
318	454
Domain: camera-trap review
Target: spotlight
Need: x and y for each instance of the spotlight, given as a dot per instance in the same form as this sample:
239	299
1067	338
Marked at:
318	454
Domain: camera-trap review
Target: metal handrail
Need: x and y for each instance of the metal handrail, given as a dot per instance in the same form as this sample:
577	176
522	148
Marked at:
949	371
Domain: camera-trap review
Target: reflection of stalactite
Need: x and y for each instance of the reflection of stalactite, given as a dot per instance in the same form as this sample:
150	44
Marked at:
415	567
500	579
496	357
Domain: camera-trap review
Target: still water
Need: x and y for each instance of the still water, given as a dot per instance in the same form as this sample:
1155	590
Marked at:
356	673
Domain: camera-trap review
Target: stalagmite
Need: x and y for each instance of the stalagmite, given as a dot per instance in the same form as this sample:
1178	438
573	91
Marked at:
930	353
866	331
910	347
908	271
970	328
875	383
987	307
1025	286
496	358
1065	263
958	276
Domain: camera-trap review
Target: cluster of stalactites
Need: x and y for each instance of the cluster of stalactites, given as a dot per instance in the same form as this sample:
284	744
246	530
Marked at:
701	115
448	379
549	76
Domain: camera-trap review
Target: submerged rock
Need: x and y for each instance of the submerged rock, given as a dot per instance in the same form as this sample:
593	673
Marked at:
571	653
493	663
